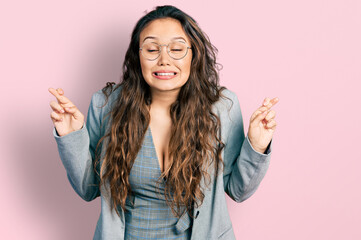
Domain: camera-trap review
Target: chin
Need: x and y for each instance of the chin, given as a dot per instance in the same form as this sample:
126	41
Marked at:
163	88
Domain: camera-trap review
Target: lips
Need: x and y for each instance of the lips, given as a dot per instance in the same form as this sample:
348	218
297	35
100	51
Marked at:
165	75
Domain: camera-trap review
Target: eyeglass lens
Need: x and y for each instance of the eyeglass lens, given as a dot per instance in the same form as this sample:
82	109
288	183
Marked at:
176	50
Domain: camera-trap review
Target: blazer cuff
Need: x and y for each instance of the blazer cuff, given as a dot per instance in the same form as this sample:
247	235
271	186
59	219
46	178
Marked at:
255	154
69	135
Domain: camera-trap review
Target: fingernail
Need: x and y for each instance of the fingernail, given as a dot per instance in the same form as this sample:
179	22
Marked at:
62	110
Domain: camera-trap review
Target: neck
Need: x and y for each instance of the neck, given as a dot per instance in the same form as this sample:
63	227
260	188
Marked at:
163	99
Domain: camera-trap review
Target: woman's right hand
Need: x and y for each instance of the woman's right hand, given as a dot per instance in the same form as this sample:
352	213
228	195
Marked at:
66	116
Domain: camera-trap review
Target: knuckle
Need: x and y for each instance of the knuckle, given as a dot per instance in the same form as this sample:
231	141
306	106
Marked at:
262	109
64	105
270	115
62	99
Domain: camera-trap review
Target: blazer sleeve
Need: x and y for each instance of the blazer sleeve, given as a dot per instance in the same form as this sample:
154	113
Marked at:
244	167
77	151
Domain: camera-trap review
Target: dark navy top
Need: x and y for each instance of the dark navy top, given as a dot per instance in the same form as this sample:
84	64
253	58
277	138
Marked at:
147	214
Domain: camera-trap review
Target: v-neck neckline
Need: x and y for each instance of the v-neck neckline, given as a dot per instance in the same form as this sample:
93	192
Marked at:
155	150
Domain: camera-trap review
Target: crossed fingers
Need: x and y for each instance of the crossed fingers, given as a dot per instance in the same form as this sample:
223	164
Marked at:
265	109
63	102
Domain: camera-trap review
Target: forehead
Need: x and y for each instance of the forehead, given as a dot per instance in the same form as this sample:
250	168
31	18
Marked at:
163	30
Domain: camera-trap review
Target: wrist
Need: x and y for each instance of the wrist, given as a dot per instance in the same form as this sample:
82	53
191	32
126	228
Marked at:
256	148
263	151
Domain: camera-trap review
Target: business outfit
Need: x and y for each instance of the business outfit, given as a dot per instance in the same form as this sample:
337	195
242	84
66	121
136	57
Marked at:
244	168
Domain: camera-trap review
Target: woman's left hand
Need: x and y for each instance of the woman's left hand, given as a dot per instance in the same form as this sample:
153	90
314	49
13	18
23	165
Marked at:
262	125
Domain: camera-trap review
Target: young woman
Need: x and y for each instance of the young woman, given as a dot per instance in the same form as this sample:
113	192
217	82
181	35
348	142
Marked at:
163	146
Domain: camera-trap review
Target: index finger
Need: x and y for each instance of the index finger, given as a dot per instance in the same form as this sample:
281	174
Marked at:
60	98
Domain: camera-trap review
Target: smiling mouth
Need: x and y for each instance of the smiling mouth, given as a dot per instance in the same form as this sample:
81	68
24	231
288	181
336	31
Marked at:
165	74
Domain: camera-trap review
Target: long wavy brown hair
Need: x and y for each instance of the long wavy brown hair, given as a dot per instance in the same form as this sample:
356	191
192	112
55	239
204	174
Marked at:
195	141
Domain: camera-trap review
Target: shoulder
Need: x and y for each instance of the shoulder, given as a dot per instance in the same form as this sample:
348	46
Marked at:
228	110
106	96
227	102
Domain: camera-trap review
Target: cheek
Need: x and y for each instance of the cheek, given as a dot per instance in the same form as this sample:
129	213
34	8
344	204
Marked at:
188	62
145	67
187	66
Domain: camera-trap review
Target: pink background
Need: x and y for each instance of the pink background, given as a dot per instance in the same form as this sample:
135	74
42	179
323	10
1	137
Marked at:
307	53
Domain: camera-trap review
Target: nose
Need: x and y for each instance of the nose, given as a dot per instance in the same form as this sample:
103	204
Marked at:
164	58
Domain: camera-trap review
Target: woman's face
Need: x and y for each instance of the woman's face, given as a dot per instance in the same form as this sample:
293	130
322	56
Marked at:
162	31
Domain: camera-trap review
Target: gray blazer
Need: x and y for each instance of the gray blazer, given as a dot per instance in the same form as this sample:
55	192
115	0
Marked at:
243	171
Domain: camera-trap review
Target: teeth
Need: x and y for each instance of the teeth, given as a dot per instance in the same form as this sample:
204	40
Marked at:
164	74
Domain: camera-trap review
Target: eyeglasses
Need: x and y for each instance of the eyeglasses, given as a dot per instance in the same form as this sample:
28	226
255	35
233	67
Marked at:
176	50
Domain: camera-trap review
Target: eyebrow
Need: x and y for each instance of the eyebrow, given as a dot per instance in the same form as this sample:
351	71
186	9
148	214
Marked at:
151	37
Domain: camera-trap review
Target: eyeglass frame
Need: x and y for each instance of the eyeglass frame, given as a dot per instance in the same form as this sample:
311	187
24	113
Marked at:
160	51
